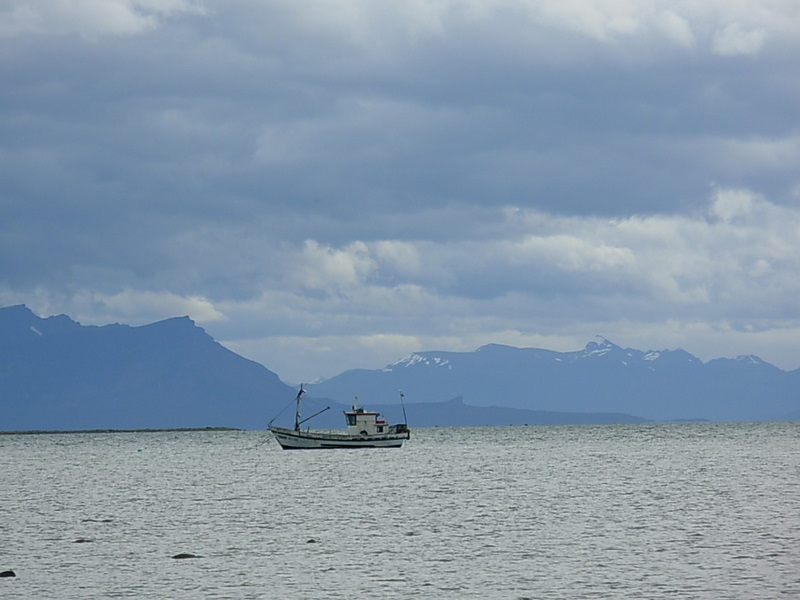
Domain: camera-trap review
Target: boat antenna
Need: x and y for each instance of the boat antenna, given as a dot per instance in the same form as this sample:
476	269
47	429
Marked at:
402	395
297	408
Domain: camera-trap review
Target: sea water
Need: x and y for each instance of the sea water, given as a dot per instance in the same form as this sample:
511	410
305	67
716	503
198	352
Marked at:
637	511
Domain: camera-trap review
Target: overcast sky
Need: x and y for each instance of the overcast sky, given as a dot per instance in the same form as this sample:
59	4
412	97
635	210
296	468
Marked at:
324	185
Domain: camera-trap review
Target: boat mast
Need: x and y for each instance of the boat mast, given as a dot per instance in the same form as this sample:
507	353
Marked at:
402	395
297	408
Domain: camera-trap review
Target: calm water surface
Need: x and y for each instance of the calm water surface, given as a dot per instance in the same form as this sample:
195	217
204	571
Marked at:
646	511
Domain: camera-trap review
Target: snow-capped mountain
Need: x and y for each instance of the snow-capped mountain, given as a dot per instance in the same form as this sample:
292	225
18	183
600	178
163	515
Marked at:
602	377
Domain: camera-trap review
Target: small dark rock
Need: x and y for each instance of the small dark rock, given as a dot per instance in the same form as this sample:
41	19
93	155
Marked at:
8	574
82	541
186	555
90	520
311	541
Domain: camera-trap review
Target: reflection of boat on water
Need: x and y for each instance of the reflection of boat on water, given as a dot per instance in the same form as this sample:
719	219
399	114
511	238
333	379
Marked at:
364	429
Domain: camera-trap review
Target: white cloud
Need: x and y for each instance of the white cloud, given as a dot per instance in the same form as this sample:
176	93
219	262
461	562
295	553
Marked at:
571	253
325	268
733	28
671	262
729	205
759	153
136	307
400	256
734	40
676	28
89	18
597	19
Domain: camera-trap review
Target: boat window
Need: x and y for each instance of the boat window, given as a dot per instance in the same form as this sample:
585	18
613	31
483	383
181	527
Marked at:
380	428
351	419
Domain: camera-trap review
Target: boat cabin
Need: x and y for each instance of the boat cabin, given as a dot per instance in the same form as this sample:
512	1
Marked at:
361	422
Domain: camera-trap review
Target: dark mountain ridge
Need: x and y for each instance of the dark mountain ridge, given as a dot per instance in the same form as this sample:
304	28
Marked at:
58	374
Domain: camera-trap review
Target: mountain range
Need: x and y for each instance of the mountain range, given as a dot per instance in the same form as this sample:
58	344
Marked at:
661	385
56	374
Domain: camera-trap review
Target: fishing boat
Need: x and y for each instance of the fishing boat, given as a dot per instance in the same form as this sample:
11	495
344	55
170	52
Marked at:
364	429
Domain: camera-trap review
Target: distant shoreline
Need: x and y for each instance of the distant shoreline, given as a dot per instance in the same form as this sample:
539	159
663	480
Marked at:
56	431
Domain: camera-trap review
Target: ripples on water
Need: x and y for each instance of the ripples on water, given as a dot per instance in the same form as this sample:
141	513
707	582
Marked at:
648	511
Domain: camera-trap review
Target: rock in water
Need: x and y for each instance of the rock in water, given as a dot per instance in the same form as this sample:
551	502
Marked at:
186	555
8	574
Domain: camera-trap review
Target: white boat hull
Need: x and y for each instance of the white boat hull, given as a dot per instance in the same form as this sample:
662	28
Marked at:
289	439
